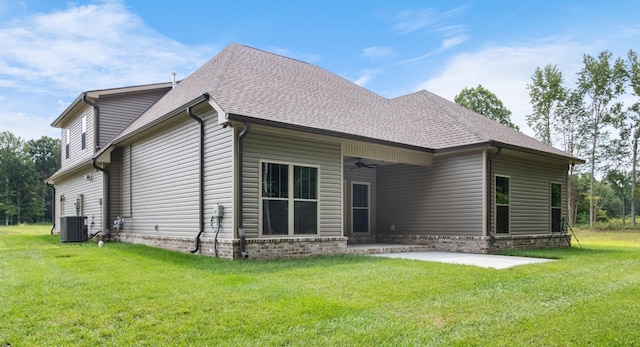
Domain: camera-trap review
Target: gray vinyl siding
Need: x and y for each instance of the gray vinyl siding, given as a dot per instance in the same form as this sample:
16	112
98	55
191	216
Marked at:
125	182
164	179
445	198
262	146
76	153
72	187
530	197
164	183
117	111
115	183
359	175
218	183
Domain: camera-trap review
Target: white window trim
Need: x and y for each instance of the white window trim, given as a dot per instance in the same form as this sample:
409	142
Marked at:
84	131
291	200
551	207
368	207
495	204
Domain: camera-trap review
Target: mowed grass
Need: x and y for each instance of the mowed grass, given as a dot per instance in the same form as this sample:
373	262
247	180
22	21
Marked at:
54	294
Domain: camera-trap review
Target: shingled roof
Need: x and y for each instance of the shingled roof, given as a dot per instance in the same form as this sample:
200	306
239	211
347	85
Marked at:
268	87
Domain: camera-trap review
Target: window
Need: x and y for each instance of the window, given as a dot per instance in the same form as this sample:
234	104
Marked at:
84	132
360	207
502	201
556	207
66	147
289	199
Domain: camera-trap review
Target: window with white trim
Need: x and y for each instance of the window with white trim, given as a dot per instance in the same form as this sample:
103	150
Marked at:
360	207
503	203
67	141
556	207
84	132
289	199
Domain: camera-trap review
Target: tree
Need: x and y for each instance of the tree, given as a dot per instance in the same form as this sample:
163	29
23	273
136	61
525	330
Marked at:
547	94
45	154
19	195
602	82
619	182
634	78
571	112
486	103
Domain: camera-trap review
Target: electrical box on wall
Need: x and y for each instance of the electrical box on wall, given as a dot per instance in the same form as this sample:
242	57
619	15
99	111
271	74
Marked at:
217	211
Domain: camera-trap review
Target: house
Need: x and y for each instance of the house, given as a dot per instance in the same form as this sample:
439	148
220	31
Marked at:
259	155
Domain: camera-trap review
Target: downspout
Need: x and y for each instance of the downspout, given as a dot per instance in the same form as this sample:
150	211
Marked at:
96	126
53	207
245	131
106	194
201	181
490	195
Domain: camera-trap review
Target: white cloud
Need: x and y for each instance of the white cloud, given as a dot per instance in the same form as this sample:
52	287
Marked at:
411	20
367	75
285	52
444	46
91	46
377	53
49	56
506	71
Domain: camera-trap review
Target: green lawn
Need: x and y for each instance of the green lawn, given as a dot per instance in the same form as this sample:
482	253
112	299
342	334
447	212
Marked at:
79	294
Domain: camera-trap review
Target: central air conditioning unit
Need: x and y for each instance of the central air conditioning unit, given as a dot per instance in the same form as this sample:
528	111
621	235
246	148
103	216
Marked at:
73	229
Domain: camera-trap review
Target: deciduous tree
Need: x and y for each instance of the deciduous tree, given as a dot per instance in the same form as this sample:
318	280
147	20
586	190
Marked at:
634	123
547	94
483	101
601	81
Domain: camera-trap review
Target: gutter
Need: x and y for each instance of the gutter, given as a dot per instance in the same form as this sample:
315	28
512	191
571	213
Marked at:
490	195
200	181
282	125
53	207
106	195
569	158
96	126
245	131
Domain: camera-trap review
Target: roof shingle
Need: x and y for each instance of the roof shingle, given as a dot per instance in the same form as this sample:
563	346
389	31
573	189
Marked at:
261	85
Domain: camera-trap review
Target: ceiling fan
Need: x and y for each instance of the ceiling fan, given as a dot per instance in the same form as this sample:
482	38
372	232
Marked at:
360	164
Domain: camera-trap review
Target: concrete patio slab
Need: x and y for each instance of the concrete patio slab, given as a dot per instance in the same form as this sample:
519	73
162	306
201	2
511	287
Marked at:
481	260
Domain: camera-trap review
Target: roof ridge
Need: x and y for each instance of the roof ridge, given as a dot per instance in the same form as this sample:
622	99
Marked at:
272	53
221	72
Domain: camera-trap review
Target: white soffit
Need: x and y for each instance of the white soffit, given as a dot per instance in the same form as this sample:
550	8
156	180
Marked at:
386	153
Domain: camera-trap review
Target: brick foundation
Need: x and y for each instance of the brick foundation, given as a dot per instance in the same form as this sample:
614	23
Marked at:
297	247
478	244
275	248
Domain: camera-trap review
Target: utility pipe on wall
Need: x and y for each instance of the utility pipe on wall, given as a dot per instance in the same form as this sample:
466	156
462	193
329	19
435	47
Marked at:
201	181
105	213
53	207
245	131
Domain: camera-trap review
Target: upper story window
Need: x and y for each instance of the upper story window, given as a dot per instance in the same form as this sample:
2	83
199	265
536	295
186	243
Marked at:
84	132
66	146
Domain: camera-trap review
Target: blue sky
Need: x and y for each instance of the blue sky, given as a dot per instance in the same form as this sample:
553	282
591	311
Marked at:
51	51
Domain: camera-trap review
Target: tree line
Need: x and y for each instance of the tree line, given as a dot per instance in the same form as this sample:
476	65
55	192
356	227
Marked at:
597	119
24	165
